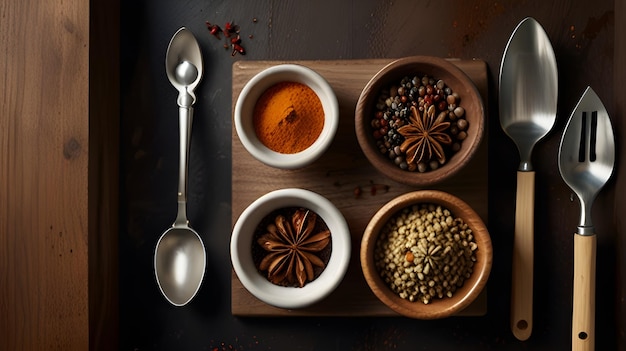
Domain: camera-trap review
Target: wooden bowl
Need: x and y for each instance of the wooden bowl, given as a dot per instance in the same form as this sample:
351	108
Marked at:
436	68
436	308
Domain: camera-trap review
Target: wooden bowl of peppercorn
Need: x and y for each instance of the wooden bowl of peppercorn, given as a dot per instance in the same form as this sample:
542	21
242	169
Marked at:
419	120
426	254
290	248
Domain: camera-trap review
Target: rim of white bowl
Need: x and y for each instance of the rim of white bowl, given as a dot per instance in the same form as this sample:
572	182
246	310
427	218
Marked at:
256	86
256	283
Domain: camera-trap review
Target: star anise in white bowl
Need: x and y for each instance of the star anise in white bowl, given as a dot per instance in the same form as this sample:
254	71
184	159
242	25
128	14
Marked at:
301	238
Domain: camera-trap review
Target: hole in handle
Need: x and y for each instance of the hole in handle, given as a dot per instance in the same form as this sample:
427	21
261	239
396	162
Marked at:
582	336
522	324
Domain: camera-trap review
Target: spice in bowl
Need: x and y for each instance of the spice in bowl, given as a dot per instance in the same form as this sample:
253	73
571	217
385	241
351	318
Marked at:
288	117
425	253
419	123
292	246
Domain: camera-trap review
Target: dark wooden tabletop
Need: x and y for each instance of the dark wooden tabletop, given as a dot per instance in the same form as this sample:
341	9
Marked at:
587	42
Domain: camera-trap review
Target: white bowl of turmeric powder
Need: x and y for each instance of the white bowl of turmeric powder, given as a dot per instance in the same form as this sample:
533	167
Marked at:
286	116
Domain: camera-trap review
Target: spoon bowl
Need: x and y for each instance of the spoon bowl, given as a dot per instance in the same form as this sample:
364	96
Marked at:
180	266
180	257
528	88
183	47
587	168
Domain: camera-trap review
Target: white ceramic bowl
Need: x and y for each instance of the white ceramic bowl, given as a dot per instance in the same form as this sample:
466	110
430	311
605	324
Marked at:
256	283
244	108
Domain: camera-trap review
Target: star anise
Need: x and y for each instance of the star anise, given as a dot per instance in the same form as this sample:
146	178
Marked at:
293	247
424	136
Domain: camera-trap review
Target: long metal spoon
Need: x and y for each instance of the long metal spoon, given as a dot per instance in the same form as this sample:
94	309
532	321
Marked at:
586	162
528	99
180	257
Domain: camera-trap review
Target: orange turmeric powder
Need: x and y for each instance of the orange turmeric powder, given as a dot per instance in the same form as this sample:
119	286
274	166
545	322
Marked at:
288	117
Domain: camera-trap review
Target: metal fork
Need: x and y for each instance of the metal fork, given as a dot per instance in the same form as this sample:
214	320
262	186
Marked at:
586	162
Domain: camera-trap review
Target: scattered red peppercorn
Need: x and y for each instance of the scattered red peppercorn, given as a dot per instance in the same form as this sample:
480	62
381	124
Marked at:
230	28
238	49
214	29
376	187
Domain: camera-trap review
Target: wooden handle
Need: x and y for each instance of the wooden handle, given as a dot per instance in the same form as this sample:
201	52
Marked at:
523	248
583	316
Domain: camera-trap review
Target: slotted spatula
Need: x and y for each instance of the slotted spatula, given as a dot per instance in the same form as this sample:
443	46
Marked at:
586	162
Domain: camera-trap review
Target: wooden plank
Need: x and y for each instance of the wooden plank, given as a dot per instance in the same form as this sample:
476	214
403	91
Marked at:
44	146
335	175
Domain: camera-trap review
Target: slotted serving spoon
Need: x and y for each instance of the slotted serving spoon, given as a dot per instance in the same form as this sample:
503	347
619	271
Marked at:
586	162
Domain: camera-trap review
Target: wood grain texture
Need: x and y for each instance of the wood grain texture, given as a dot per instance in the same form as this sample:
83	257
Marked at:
584	310
335	176
523	257
44	143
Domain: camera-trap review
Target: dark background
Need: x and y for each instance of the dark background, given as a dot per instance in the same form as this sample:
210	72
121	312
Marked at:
582	34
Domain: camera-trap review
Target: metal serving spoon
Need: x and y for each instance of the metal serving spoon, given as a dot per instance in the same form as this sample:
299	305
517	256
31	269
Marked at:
180	257
586	162
528	99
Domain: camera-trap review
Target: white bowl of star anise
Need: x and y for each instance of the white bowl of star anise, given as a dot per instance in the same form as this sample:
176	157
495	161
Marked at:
290	248
419	120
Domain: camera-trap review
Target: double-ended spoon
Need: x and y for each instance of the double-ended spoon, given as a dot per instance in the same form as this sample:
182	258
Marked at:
180	256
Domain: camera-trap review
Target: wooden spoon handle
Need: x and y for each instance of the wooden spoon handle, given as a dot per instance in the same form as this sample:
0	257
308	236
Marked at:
523	249
583	316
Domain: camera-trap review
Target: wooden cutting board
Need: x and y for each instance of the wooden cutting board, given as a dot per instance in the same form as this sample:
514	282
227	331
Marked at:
335	176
